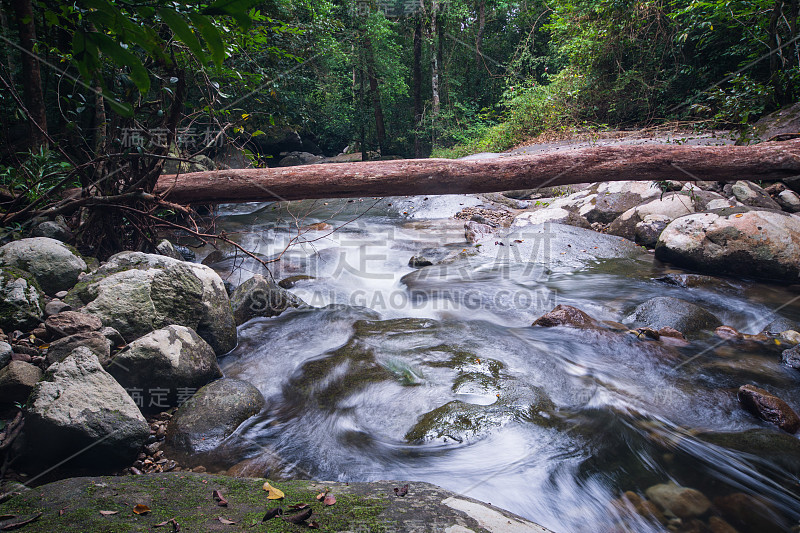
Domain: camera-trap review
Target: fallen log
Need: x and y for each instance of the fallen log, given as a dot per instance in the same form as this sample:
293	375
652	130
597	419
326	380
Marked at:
766	161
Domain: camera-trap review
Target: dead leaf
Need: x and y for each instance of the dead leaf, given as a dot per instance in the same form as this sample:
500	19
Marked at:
15	525
226	521
300	517
272	492
330	499
222	502
298	506
322	495
402	491
313	525
108	513
175	526
272	513
141	509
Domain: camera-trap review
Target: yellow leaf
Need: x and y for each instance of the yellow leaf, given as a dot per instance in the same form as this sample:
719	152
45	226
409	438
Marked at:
141	509
739	215
272	492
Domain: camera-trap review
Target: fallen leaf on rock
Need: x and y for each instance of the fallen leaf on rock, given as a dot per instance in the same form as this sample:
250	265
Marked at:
222	502
300	517
330	499
16	525
226	521
272	492
141	509
272	513
402	491
739	215
298	506
108	513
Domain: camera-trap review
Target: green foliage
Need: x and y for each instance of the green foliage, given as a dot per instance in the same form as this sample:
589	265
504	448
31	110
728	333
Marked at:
36	174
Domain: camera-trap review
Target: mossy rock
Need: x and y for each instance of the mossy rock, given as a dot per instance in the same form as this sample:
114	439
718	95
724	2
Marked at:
21	302
75	504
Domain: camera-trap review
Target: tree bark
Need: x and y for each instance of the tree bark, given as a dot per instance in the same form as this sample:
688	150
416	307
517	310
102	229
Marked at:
434	61
417	85
766	161
31	76
7	34
479	35
380	128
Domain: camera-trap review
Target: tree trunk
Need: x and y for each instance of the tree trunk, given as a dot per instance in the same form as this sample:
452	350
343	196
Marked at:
434	61
31	76
7	34
380	128
479	36
765	161
417	85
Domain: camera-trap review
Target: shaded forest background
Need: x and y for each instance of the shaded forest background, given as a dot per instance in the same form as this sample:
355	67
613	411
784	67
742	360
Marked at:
102	94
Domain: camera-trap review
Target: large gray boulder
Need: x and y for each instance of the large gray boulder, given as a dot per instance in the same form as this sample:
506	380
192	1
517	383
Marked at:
16	381
21	303
99	344
671	205
259	296
54	265
668	312
211	415
136	293
78	404
752	195
174	361
611	199
761	244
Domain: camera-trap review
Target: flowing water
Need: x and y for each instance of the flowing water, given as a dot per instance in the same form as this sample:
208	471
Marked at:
435	374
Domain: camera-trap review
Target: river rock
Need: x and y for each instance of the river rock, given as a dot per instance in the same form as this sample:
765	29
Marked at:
665	311
475	231
209	416
649	229
70	322
259	296
763	244
769	407
168	249
558	215
566	315
53	229
751	195
21	302
5	353
299	158
95	341
54	265
136	293
678	501
779	325
750	513
669	206
613	198
791	357
16	381
168	359
54	307
789	201
78	404
784	120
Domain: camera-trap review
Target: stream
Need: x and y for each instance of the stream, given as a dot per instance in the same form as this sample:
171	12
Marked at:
435	374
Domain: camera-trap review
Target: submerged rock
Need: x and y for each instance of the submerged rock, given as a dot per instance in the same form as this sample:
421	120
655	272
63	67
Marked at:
171	360
769	407
21	302
665	311
211	415
762	244
791	357
52	263
679	501
259	296
136	293
78	404
566	315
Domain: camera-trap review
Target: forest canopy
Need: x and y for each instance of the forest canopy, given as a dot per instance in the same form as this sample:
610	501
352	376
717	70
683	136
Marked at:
102	87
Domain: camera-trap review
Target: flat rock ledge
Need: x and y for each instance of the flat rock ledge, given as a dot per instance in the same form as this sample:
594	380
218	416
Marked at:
75	505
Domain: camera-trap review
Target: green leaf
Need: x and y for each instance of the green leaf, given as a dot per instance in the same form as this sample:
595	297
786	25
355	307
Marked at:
238	9
123	57
182	30
121	108
211	36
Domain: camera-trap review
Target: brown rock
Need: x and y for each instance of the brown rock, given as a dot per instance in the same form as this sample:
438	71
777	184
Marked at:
71	322
16	381
718	525
679	501
769	407
566	315
94	340
748	513
25	358
728	333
